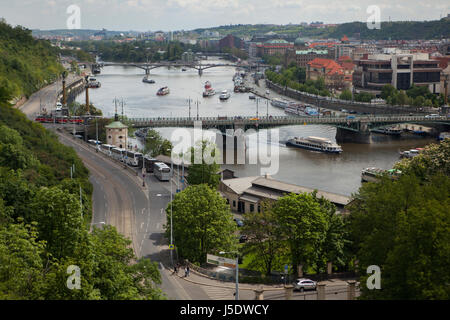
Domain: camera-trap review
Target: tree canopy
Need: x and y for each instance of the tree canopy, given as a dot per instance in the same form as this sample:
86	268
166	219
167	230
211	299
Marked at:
202	223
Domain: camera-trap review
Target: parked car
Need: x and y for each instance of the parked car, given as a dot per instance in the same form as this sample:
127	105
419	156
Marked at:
239	222
304	284
267	92
352	112
243	238
433	115
344	110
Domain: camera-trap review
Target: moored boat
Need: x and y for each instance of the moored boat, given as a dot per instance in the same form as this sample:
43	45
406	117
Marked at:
389	131
279	103
374	174
315	144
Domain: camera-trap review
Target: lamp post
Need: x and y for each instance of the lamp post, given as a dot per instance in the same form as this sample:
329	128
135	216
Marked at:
237	271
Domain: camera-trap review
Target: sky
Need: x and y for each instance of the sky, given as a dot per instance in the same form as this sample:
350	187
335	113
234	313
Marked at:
172	15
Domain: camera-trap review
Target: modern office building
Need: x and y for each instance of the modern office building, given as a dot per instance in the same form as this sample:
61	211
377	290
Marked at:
399	68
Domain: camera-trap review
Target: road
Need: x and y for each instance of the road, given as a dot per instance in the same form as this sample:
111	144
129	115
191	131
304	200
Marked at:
45	97
138	212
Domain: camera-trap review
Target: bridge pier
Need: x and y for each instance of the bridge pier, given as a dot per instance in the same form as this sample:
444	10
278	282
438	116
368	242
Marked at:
344	135
200	72
232	148
147	71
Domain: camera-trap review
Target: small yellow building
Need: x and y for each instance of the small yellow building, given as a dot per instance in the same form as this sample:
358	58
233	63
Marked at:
117	134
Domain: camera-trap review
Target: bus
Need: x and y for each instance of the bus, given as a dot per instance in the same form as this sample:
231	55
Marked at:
134	158
118	153
106	148
162	171
148	163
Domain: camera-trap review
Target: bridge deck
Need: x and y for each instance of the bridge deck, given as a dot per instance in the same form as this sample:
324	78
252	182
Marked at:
281	121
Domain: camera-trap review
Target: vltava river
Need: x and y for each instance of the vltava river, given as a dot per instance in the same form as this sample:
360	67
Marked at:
334	173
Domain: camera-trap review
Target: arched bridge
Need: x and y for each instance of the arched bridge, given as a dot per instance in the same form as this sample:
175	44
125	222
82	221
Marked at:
194	65
355	129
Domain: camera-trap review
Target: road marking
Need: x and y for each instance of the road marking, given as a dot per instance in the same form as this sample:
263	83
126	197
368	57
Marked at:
162	266
143	210
158	226
142	225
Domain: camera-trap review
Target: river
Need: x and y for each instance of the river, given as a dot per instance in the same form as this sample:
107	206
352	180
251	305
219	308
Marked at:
333	173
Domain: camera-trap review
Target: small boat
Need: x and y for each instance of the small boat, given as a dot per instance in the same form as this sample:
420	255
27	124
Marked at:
225	95
209	91
315	144
147	80
163	91
374	174
443	136
183	69
296	109
93	83
279	103
252	97
410	153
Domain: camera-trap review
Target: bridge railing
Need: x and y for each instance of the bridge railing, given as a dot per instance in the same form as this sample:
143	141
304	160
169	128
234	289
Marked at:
283	119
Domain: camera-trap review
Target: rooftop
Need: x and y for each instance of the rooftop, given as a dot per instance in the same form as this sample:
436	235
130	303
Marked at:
116	125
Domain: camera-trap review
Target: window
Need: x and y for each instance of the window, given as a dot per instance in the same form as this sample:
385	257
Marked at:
252	207
120	137
234	204
109	137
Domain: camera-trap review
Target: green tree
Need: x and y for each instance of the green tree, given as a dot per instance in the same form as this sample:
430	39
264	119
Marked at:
59	219
207	170
156	145
346	95
387	91
303	223
22	259
202	223
265	243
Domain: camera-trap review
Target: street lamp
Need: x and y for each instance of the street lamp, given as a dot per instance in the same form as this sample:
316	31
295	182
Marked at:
237	271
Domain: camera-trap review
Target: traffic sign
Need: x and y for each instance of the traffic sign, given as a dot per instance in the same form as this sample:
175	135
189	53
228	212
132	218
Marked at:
171	247
286	267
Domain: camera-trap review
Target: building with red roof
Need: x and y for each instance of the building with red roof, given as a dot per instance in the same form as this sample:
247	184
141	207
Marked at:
331	71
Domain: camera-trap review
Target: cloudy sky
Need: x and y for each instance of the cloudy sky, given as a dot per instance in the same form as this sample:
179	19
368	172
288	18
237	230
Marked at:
144	15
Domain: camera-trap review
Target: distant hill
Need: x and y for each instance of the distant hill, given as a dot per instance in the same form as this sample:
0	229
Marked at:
398	30
82	33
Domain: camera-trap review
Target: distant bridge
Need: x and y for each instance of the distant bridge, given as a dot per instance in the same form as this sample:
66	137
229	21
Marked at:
194	65
355	129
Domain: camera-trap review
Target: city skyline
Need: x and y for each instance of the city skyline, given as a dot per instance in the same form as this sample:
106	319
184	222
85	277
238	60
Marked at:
173	15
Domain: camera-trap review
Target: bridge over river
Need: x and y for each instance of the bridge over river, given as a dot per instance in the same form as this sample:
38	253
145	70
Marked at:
349	129
200	67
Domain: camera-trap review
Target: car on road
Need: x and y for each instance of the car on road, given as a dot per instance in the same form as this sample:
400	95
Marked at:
344	110
352	112
304	284
239	222
433	115
267	92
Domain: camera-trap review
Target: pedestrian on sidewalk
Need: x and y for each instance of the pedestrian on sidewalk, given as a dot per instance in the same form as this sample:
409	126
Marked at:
188	270
175	269
185	272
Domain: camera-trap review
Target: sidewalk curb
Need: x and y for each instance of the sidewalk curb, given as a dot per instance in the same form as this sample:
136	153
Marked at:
226	287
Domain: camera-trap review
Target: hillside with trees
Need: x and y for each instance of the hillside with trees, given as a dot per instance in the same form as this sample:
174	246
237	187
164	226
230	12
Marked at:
26	64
